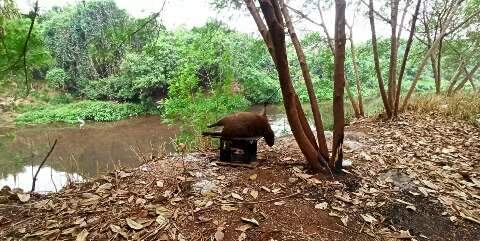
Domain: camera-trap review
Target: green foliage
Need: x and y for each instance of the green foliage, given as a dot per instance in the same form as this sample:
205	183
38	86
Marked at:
13	36
197	112
85	110
90	39
56	78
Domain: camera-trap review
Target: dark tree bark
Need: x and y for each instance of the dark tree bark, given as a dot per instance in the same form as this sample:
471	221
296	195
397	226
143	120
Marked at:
273	17
338	86
381	85
405	57
317	117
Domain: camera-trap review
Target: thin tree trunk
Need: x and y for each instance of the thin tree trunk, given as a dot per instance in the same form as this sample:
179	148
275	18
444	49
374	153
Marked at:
339	85
261	26
439	67
435	72
402	21
467	77
392	70
453	81
317	117
428	54
405	57
324	27
377	61
274	21
357	74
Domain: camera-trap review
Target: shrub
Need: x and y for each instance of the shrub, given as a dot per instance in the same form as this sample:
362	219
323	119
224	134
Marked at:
85	110
56	78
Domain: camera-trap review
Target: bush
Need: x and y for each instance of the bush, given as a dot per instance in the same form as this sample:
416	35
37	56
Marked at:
56	78
85	110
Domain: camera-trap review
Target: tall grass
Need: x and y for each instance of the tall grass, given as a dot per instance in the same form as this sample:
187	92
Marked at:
464	106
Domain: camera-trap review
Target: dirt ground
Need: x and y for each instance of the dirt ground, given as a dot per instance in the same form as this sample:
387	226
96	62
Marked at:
416	178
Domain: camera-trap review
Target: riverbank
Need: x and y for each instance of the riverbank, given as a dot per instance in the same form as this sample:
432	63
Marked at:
413	178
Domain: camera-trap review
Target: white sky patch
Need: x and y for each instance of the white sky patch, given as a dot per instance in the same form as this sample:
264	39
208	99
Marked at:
192	13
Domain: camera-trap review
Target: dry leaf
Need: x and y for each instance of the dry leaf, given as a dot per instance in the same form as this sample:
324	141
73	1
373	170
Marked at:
344	220
254	194
228	208
252	221
368	218
219	235
133	225
104	187
82	236
23	197
242	237
117	229
237	196
322	206
162	221
163	211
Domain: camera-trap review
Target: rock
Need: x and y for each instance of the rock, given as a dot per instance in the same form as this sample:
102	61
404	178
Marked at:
352	145
398	178
204	187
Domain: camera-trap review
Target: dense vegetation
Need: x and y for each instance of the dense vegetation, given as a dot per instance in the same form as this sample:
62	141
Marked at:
112	66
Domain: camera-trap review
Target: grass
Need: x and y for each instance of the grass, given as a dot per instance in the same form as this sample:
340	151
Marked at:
463	106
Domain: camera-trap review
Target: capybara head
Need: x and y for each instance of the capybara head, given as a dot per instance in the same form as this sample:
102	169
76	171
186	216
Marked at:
269	136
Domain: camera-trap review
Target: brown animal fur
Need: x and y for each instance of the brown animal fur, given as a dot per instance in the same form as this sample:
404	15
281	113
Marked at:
246	124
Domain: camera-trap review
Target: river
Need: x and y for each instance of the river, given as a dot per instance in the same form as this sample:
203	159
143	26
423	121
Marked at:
96	148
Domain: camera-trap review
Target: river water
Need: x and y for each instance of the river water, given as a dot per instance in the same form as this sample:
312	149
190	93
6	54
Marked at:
89	151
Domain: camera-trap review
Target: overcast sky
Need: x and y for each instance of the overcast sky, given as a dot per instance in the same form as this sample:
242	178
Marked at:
191	13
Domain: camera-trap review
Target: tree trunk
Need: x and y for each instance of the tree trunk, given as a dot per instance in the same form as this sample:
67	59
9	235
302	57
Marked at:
339	85
357	74
317	117
432	49
271	12
455	77
392	70
261	26
435	73
377	61
438	88
405	57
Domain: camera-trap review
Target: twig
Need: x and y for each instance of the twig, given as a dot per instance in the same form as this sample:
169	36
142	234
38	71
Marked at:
41	164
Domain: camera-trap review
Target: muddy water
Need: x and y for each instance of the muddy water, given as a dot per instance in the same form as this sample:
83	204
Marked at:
80	153
89	151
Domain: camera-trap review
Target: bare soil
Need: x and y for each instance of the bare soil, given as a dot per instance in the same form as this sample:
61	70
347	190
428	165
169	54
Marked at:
415	178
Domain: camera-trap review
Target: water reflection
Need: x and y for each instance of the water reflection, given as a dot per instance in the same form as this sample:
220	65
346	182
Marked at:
48	179
96	148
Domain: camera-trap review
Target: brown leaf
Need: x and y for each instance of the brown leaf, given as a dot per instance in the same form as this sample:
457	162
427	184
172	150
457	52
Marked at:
133	225
117	229
219	235
82	236
251	220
